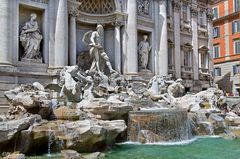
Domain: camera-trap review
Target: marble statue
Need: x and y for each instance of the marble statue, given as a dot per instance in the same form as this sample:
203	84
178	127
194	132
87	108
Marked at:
143	49
75	85
166	89
176	89
31	38
94	40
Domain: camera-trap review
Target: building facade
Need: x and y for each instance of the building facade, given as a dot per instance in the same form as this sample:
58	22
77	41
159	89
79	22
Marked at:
226	45
179	34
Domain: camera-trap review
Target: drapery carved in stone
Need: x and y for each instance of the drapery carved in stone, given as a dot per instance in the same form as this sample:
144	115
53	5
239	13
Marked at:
97	7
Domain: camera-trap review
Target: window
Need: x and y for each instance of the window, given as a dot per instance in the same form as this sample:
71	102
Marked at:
184	12
237	46
236	69
215	13
216	32
170	55
187	58
217	71
236	5
204	60
201	18
216	51
235	26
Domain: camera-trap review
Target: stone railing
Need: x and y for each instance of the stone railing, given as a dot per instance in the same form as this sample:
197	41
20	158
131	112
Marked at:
171	70
204	74
187	72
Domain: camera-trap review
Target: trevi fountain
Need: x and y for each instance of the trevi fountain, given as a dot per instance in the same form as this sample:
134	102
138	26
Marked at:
102	114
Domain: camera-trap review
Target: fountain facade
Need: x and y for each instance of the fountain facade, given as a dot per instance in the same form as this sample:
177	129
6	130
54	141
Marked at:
158	125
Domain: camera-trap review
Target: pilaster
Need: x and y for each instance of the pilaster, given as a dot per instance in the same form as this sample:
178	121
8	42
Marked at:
73	13
117	46
194	12
130	57
163	41
177	48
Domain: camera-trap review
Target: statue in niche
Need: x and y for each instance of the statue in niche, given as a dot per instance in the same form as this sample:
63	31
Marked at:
143	49
30	37
100	58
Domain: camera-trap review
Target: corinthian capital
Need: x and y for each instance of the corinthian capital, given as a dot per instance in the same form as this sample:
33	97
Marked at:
194	10
73	8
176	5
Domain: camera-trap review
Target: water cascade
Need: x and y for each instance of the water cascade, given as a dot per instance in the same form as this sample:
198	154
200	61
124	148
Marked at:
50	140
149	126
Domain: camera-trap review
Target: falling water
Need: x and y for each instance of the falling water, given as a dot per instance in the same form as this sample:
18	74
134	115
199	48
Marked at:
159	125
50	140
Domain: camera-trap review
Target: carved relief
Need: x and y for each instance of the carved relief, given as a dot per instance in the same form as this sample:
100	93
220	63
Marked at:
209	14
176	6
143	8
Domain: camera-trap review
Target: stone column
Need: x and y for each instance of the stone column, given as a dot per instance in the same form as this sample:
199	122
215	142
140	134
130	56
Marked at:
130	57
117	46
61	35
73	12
194	12
210	37
177	48
163	41
5	53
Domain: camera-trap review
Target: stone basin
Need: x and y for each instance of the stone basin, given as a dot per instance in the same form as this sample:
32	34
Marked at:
148	126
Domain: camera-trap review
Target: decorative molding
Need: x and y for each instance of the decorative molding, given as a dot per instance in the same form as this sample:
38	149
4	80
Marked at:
102	19
41	1
117	23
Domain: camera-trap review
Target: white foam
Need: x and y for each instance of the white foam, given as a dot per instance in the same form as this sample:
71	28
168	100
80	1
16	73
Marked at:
184	142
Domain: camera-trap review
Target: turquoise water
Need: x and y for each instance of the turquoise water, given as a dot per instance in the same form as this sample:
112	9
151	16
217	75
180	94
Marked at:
202	148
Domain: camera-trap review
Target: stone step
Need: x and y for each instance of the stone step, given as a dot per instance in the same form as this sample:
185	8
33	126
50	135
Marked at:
1	94
3	108
7	86
3	100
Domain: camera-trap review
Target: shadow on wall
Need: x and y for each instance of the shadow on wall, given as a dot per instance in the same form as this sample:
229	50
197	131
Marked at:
225	83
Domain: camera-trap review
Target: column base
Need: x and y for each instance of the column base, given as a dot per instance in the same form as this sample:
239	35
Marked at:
7	67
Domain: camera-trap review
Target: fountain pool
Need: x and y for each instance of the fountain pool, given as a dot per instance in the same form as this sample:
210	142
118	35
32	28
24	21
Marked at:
201	148
198	148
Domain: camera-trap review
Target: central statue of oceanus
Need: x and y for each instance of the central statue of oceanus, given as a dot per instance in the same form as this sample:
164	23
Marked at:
93	39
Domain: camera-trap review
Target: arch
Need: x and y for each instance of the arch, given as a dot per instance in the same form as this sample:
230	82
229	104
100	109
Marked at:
203	48
101	11
99	6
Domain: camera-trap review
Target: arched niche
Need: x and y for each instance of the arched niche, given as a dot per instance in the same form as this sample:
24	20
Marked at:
101	11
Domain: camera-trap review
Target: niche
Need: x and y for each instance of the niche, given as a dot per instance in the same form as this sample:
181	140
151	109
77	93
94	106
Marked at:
24	16
144	66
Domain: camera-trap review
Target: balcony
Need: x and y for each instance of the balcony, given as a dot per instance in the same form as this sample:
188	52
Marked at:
204	74
230	14
187	72
186	26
